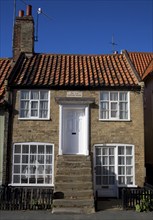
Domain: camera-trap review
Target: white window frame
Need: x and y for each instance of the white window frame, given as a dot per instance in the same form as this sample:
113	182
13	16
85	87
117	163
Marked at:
116	162
117	118
32	100
20	164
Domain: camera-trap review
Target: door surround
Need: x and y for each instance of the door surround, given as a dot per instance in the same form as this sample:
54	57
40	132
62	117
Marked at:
65	107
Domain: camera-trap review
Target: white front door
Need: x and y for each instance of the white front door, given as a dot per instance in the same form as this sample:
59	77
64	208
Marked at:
74	131
105	177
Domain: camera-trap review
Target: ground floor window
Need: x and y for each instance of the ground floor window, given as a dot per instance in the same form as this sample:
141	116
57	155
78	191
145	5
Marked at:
114	165
32	164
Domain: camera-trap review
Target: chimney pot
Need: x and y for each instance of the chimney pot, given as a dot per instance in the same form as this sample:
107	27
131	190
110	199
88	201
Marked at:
21	13
29	10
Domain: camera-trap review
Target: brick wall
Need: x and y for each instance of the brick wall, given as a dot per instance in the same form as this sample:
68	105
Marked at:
131	132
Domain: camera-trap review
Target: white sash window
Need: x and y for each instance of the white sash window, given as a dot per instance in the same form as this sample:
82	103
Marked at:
32	164
34	104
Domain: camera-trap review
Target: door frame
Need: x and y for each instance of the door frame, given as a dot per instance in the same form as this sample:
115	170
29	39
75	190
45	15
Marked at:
86	128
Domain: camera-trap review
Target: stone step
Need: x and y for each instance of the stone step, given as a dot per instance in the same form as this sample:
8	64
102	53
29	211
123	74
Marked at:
73	164
73	171
74	194
73	178
73	186
73	210
73	203
73	158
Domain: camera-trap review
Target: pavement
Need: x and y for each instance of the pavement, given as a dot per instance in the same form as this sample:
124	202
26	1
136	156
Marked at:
101	215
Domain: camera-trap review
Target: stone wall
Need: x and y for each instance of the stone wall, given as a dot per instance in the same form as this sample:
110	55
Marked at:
121	132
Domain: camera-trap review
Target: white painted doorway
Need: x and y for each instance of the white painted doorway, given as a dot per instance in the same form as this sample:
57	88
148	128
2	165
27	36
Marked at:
74	130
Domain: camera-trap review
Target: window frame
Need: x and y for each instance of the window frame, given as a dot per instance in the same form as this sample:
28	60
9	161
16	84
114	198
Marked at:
32	101
116	146
22	164
109	101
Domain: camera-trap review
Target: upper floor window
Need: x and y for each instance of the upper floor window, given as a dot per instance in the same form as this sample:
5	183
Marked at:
34	104
114	105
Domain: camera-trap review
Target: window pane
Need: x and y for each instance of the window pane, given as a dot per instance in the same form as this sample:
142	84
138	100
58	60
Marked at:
24	105
98	151
129	160
123	96
40	149
98	170
121	180
123	106
128	150
123	115
48	159
114	96
16	178
121	170
129	170
24	158
104	105
105	170
25	148
48	179
104	151
43	113
34	105
105	160
33	149
34	95
24	94
98	160
113	106
16	158
17	149
43	94
49	149
121	160
111	151
40	171
111	170
16	168
48	169
24	113
104	114
41	159
25	169
113	114
111	160
104	96
121	150
129	180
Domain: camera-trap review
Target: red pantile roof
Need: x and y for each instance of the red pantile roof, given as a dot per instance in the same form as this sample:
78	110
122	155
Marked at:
5	66
141	62
69	71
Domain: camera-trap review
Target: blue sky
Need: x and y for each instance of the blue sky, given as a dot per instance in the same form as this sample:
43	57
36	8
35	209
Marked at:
83	26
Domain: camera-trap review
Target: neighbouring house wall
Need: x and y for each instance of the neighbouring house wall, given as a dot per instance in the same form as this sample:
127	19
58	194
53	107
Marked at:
148	118
131	132
1	144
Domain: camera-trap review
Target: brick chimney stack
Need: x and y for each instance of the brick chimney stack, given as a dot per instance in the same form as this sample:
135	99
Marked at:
23	37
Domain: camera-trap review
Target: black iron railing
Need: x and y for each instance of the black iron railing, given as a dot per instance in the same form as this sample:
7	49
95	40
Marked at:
131	197
23	198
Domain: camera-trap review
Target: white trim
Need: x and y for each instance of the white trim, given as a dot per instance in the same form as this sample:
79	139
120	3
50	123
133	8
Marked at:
116	163
34	118
20	164
109	102
86	129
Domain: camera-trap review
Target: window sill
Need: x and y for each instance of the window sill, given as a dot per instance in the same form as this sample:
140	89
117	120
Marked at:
115	120
34	119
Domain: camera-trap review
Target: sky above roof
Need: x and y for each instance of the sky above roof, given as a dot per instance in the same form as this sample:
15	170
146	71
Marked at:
83	26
